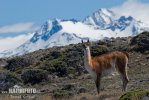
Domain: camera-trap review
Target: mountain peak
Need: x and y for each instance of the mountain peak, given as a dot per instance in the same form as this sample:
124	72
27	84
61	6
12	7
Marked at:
47	30
48	24
105	11
100	18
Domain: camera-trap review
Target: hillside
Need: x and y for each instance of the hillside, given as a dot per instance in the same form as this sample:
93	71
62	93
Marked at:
58	72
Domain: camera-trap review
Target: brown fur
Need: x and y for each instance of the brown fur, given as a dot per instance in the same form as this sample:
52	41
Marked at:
98	64
104	62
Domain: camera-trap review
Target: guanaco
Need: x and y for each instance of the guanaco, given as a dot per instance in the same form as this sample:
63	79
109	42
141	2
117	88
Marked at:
105	64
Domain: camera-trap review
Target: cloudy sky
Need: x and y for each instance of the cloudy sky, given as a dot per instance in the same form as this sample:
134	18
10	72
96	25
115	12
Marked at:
18	17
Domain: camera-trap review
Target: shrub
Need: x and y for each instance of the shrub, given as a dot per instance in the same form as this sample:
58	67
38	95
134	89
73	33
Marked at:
98	50
34	76
51	55
56	66
7	80
18	63
62	94
141	42
135	95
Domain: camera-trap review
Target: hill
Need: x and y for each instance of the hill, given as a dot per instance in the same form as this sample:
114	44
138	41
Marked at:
58	72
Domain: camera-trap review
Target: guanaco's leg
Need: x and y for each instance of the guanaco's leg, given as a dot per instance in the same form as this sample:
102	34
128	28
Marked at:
123	72
97	81
125	79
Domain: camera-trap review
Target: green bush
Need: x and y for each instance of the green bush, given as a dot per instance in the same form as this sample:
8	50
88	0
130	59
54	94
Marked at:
55	66
66	61
34	76
134	95
98	50
61	94
18	63
8	80
52	55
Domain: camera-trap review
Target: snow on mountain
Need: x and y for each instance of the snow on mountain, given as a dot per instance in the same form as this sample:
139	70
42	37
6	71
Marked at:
102	24
102	18
106	19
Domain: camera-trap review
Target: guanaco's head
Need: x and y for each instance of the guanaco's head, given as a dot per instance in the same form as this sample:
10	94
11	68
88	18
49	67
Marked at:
86	44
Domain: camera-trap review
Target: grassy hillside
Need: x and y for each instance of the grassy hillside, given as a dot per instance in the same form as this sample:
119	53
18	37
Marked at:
58	72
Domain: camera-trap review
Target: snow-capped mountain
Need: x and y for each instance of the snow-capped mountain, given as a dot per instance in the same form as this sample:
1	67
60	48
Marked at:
101	18
101	24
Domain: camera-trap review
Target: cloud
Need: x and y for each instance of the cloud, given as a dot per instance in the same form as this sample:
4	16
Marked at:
18	28
8	43
13	42
134	8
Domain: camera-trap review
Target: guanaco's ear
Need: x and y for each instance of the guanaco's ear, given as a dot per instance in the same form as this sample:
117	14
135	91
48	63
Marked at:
88	41
82	41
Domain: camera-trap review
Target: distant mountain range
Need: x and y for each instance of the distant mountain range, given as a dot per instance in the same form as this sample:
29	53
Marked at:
102	24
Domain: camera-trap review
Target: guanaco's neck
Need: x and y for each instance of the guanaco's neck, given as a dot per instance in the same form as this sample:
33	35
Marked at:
87	57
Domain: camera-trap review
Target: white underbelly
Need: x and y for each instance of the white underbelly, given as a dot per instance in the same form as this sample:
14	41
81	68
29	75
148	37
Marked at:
90	71
109	72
